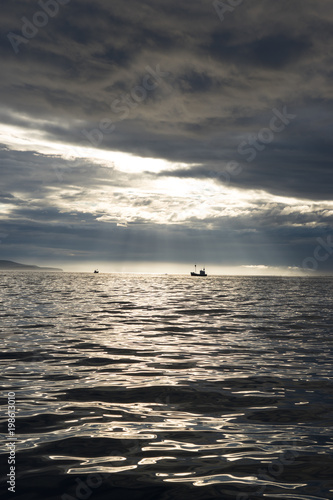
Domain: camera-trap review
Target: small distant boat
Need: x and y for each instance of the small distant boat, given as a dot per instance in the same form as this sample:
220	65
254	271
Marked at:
202	272
96	271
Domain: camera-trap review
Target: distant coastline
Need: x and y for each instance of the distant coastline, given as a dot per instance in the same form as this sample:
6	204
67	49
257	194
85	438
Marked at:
9	265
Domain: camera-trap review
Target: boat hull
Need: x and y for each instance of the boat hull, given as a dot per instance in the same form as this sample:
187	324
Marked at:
197	274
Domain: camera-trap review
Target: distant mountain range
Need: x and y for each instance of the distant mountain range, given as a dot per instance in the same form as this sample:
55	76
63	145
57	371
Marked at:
8	265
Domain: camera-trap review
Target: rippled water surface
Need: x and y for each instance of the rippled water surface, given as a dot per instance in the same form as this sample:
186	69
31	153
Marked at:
168	387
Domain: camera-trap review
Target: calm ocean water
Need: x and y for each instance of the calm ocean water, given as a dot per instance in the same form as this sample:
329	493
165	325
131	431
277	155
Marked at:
167	387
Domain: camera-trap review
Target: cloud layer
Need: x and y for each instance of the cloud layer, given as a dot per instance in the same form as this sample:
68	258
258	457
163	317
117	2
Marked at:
236	111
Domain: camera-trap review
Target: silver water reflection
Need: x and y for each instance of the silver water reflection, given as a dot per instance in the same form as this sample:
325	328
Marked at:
174	380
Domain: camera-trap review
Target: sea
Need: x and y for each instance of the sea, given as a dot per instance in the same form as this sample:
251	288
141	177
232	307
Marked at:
166	387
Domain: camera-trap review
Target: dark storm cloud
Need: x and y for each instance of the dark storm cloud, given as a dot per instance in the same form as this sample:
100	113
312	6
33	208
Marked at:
285	177
33	175
225	78
271	52
76	237
6	198
221	83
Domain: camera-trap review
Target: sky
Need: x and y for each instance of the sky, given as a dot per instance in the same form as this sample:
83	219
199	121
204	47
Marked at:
149	136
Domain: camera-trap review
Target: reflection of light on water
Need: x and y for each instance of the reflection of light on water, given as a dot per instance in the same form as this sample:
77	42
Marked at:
100	469
175	380
220	478
230	478
86	461
154	460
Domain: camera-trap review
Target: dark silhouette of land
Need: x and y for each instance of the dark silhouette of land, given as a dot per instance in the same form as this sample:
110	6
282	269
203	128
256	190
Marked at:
8	265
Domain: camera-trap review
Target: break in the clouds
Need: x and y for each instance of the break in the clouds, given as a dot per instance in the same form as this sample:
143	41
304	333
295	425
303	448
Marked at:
167	131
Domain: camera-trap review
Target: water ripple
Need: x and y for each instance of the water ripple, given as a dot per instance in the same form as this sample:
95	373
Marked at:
217	388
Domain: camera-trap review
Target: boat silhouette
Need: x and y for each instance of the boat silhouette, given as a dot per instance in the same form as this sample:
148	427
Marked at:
202	272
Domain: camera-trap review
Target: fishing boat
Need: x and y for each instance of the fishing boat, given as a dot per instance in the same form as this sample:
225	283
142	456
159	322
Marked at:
202	272
96	271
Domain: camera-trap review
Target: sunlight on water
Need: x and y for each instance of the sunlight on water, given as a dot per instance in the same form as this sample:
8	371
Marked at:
221	385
